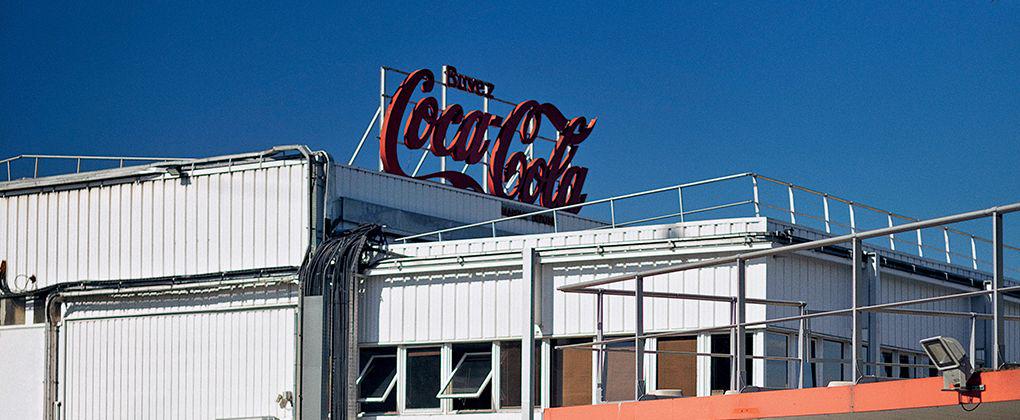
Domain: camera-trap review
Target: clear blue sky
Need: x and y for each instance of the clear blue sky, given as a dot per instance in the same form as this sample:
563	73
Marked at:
911	106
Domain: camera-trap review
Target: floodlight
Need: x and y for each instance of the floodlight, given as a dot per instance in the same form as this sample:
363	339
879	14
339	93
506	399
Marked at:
947	354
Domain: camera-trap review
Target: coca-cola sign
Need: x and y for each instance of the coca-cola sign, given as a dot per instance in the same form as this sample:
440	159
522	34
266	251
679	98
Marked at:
551	181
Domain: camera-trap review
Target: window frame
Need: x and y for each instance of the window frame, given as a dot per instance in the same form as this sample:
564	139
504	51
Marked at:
449	381
389	388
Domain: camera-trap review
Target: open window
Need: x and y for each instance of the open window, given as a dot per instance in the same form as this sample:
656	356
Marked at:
470	377
377	379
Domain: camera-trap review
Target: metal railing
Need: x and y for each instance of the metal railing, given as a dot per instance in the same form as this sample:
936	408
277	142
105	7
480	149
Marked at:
754	202
120	160
739	322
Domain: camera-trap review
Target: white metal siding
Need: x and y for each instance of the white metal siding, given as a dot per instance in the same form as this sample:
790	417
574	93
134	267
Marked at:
211	364
220	219
487	304
434	199
22	387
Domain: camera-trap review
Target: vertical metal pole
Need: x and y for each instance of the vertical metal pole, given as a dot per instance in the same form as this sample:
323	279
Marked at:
740	353
530	267
556	227
77	168
945	235
857	281
825	208
680	197
122	163
9	169
382	104
853	219
733	346
920	244
639	342
485	157
892	236
600	362
757	204
973	339
493	229
998	345
973	252
874	318
793	208
612	213
802	354
36	174
442	159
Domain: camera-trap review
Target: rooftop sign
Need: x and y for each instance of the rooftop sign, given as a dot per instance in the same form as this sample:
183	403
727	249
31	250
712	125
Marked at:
552	181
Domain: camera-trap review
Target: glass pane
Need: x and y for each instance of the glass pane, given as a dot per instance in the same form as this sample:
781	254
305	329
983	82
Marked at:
776	371
887	358
904	370
571	375
620	367
470	374
377	378
832	369
423	379
677	371
510	374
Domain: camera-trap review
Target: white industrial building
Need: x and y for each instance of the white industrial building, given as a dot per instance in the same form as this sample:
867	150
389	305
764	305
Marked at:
175	289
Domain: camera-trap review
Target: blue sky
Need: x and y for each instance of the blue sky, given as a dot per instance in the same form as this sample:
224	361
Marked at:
914	107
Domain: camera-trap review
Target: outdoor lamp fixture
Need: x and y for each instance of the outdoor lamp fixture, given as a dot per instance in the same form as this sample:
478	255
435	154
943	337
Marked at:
948	356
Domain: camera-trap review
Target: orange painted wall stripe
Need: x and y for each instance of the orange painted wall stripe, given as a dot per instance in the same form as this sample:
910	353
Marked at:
891	395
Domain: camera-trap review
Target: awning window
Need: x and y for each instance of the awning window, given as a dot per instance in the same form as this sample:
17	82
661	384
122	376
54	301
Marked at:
470	376
378	378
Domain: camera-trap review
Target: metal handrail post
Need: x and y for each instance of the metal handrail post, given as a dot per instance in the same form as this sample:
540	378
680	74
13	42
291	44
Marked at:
639	340
793	208
680	198
825	208
556	227
920	244
77	168
945	236
740	348
600	363
973	253
754	187
382	103
857	280
612	213
892	236
802	347
36	173
998	347
973	339
853	218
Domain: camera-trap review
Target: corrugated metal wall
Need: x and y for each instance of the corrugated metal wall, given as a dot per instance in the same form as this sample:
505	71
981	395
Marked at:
137	360
218	219
487	304
23	372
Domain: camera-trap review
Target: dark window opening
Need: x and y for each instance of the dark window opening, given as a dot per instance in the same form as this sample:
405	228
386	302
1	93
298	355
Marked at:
423	378
620	385
777	372
888	368
510	374
720	366
12	311
905	370
377	381
469	384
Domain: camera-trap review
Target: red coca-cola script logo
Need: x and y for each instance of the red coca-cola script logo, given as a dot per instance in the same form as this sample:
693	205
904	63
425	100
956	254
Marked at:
553	182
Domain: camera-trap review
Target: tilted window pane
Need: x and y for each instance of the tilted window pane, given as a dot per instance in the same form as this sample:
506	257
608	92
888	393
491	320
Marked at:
378	377
470	376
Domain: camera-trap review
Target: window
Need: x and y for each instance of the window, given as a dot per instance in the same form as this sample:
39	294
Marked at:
510	374
423	378
776	371
905	370
469	380
377	380
12	311
620	385
720	366
888	367
571	375
832	369
676	370
813	379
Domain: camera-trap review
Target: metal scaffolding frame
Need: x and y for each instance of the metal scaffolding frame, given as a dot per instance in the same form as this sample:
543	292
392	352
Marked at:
739	323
